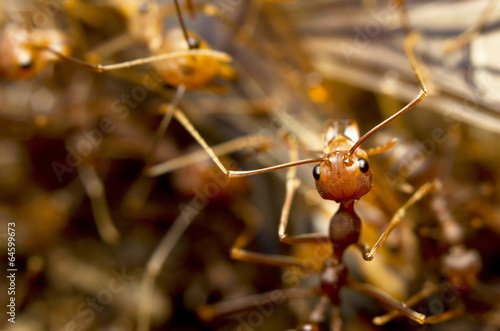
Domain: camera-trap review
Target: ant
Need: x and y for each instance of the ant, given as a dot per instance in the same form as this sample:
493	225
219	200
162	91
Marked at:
22	54
460	267
344	231
30	50
183	60
343	175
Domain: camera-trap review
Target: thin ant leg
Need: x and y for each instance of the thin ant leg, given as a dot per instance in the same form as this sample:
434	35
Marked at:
95	191
465	37
221	56
156	262
336	322
422	294
317	316
210	312
238	252
451	314
292	183
319	311
112	46
383	148
250	141
398	216
388	301
167	117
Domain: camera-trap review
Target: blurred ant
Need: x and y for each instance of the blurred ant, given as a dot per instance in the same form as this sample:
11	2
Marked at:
29	50
460	266
22	50
183	60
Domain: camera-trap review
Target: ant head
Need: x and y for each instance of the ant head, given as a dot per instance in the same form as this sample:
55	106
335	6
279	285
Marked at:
342	175
22	55
17	60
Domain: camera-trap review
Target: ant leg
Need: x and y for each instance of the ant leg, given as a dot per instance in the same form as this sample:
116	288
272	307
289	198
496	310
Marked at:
292	183
317	316
454	313
250	141
112	46
165	121
336	322
156	262
387	300
251	219
428	290
283	261
210	312
400	213
95	191
383	148
465	37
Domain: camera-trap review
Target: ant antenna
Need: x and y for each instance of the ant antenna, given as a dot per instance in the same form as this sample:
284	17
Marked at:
223	57
232	173
192	44
409	106
410	39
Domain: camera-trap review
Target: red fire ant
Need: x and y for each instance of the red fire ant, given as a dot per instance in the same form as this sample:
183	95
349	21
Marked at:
342	175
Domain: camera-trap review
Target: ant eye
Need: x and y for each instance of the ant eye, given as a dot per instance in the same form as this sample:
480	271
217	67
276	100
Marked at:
363	165
26	64
316	172
193	43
